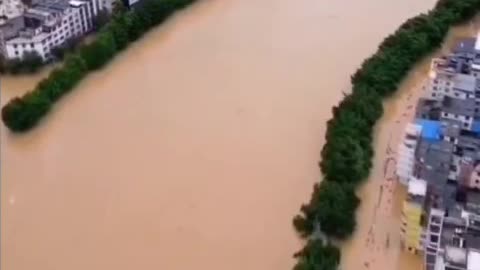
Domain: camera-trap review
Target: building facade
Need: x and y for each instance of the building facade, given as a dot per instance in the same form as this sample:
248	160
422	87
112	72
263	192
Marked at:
49	24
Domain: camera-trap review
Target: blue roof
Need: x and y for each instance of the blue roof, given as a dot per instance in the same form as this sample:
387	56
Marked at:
476	126
431	130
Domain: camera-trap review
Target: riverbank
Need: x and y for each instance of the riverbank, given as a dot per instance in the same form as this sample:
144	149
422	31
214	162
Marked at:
377	238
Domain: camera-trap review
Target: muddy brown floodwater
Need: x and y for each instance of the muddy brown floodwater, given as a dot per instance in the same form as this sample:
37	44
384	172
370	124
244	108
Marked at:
194	148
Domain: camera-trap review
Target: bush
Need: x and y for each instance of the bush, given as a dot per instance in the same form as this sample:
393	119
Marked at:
22	114
317	256
29	63
332	207
69	46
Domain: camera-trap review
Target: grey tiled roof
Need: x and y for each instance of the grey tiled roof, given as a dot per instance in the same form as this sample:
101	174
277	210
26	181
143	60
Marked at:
457	106
12	27
464	82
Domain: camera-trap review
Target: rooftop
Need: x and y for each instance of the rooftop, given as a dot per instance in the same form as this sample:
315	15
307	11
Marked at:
464	82
466	45
428	109
36	38
465	107
417	187
12	27
473	260
431	129
450	128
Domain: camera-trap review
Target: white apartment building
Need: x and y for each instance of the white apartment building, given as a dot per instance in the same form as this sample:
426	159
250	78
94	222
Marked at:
406	152
49	24
444	83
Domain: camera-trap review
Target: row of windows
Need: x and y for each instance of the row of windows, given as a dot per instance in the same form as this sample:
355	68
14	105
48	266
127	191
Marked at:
24	45
436	82
456	116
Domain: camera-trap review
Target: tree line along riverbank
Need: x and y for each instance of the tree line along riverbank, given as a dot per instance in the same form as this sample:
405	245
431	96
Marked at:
347	154
23	113
348	151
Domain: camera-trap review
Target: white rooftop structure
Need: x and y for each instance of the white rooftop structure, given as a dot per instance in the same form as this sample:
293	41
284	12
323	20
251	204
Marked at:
477	43
76	3
473	261
417	186
456	255
413	129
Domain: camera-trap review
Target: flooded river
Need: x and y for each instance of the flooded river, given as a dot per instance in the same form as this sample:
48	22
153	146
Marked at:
195	148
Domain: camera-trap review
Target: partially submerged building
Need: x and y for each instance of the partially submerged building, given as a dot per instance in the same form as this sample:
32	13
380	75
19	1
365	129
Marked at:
48	24
439	162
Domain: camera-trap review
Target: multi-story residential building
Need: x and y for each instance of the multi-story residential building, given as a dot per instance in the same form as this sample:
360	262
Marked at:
406	152
48	24
439	162
411	228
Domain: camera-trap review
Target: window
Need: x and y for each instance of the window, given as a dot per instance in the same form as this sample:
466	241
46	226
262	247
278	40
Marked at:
453	167
24	45
15	46
456	116
434	95
32	45
467	117
16	52
447	90
445	114
452	139
465	124
435	88
448	83
434	238
435	81
435	228
456	94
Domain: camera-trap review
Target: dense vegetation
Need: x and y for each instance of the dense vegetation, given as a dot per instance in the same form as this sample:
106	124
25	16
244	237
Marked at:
23	113
347	153
29	63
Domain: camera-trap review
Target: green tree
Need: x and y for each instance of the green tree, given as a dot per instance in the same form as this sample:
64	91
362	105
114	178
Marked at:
317	256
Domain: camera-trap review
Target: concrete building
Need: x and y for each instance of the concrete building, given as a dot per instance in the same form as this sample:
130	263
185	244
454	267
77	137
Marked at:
406	152
48	24
439	162
411	229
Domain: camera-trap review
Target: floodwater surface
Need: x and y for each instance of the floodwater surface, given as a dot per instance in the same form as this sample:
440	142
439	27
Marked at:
194	148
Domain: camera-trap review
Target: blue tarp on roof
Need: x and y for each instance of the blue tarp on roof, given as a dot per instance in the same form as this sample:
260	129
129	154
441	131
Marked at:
431	130
476	127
